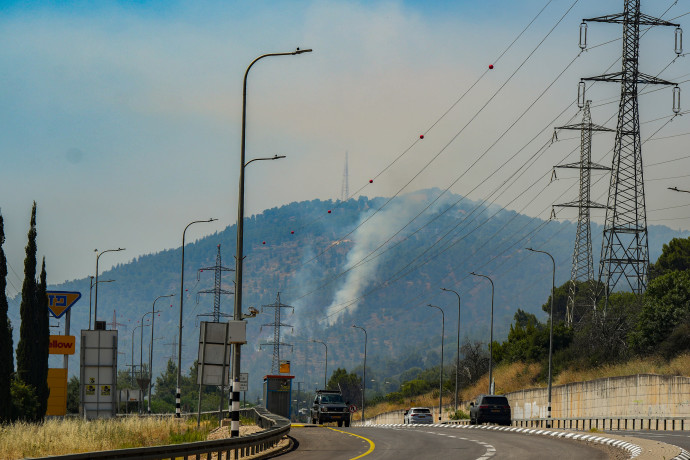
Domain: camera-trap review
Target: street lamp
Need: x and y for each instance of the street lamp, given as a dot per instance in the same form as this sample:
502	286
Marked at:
457	355
91	289
235	426
676	189
491	334
364	376
132	368
153	318
325	373
553	292
178	393
95	302
440	372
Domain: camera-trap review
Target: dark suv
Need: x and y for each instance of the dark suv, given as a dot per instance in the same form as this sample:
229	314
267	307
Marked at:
329	407
490	408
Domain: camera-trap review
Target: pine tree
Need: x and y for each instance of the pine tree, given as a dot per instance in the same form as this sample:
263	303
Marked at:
6	346
42	343
26	348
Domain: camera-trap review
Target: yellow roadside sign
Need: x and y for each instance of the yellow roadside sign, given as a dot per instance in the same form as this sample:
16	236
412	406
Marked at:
61	301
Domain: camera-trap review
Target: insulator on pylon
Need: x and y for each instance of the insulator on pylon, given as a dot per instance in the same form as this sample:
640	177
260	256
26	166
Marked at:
583	35
581	94
676	99
679	41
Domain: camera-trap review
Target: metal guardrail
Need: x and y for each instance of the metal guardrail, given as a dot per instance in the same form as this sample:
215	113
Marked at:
611	423
275	427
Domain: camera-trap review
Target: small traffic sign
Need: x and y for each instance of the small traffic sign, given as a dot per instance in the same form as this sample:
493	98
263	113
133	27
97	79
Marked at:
61	301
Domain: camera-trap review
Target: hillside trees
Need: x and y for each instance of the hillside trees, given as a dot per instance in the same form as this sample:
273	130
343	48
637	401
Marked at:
349	384
6	347
675	256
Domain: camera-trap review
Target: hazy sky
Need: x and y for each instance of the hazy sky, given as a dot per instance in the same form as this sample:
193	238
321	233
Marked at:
122	120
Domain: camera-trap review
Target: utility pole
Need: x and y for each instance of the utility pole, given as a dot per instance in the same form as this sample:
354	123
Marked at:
583	265
115	324
625	249
276	325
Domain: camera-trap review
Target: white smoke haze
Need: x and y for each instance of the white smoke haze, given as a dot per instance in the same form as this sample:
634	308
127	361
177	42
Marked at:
367	238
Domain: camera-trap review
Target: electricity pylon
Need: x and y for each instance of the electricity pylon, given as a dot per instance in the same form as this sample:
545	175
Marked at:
345	187
276	324
217	289
625	249
583	266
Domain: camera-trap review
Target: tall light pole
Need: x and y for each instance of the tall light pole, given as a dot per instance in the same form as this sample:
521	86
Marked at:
91	289
95	302
553	292
132	368
178	392
457	355
239	257
440	372
491	334
364	376
153	318
325	373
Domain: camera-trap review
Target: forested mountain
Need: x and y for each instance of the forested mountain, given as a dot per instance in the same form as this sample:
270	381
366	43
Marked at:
397	265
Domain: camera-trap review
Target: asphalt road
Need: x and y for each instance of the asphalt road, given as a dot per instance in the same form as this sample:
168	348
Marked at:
373	443
675	438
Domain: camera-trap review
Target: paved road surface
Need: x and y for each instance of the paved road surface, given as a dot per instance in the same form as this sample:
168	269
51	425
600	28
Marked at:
430	443
676	438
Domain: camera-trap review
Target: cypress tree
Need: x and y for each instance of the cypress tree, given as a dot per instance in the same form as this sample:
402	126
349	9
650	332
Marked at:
26	348
6	346
42	343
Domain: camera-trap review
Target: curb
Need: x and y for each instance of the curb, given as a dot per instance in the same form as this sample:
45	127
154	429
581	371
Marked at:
634	450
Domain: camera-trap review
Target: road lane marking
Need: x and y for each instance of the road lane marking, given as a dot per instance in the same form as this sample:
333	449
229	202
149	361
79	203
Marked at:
371	443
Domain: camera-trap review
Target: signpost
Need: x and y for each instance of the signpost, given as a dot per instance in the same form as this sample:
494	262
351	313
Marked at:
59	305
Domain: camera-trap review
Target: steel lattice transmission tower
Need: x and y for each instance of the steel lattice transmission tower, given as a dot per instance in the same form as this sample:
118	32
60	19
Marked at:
625	251
583	265
345	187
276	325
217	290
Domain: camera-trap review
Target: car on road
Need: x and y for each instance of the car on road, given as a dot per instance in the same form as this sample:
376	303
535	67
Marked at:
490	409
329	407
418	415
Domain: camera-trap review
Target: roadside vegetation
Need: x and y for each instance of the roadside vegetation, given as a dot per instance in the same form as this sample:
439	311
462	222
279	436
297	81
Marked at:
627	335
74	435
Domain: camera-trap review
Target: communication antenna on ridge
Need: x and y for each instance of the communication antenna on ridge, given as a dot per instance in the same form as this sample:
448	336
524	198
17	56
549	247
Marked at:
345	187
625	248
583	267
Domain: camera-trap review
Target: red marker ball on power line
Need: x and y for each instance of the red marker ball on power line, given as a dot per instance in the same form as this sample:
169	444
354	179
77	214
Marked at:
491	66
263	242
421	136
371	181
292	232
329	211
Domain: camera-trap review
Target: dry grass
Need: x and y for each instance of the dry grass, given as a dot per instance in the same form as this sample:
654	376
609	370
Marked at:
58	437
677	366
521	376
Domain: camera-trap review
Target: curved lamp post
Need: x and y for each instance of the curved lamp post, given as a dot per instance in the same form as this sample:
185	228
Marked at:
237	316
553	292
440	372
491	334
457	355
325	372
153	318
178	393
91	289
95	302
364	374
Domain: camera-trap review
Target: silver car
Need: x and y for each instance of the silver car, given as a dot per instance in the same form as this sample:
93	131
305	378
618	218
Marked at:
418	415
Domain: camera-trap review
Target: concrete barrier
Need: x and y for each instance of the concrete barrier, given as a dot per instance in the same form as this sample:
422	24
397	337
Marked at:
635	396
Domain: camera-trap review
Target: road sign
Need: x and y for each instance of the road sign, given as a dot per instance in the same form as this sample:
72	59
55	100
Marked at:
61	301
244	381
